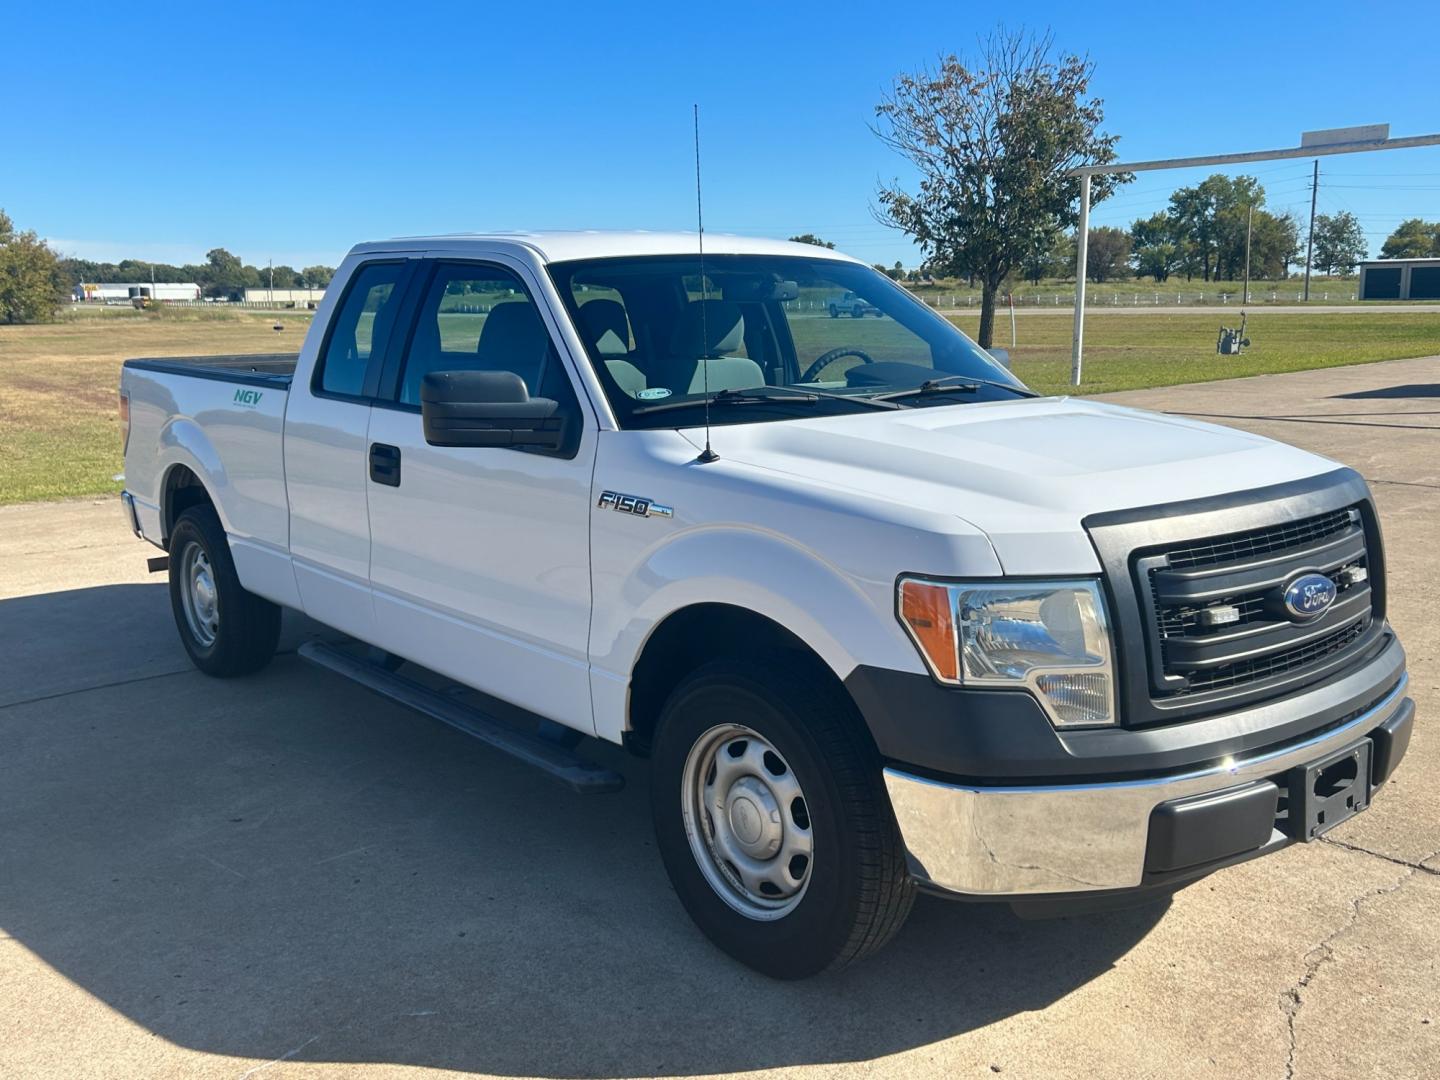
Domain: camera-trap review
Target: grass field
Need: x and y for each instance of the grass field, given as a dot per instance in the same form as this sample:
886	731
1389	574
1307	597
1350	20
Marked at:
58	382
58	385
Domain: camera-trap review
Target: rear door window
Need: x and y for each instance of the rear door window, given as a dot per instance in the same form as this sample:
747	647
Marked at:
361	328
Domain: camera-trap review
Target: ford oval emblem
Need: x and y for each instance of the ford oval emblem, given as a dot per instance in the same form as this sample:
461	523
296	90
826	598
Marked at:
1309	595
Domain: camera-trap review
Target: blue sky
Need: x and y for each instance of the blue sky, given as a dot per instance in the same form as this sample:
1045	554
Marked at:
293	131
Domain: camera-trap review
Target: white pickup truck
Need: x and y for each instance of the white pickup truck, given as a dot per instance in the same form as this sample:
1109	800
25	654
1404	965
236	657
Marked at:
880	617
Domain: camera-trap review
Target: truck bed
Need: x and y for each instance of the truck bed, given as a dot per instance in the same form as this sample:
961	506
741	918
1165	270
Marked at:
256	369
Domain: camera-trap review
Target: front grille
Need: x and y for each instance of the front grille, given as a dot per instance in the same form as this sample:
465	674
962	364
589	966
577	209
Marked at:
1277	664
1188	586
1256	542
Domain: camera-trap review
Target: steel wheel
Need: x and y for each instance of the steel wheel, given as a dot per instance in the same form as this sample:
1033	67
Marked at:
747	822
199	595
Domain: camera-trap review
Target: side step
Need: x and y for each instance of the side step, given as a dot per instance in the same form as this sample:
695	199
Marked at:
555	761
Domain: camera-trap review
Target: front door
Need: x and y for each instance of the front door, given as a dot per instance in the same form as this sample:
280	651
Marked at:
480	556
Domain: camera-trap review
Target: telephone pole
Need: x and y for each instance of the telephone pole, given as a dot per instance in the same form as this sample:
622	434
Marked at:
1310	244
1249	220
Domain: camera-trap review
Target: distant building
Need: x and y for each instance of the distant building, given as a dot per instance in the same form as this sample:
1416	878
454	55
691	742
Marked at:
124	292
285	297
1400	279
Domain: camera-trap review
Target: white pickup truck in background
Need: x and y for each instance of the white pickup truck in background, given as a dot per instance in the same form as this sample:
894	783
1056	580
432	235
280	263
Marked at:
887	621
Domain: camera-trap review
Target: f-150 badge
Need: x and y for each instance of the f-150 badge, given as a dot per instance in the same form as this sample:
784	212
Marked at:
633	504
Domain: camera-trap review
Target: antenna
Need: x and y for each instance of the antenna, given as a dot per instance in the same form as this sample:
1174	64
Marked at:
707	455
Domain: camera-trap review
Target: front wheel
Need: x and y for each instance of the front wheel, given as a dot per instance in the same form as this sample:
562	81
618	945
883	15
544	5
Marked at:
225	629
773	821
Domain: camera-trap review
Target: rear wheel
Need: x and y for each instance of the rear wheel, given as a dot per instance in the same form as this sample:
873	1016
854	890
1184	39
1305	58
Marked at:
773	821
226	630
834	312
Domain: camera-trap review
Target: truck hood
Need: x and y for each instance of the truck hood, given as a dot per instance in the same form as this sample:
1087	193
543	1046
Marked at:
1024	472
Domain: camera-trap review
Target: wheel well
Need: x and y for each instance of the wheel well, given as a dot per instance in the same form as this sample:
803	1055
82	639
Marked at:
182	490
696	635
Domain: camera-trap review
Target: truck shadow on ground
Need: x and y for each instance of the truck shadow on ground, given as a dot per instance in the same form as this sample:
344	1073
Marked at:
284	866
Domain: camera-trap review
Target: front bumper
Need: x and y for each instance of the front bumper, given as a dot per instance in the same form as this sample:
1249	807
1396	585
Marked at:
1068	838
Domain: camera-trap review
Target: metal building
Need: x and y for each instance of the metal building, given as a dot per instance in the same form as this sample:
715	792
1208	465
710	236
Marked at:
304	298
1400	279
124	292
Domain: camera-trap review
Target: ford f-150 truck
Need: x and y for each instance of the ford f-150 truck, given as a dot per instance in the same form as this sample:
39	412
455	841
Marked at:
880	617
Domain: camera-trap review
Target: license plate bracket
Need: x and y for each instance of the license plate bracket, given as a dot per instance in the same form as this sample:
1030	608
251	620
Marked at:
1329	791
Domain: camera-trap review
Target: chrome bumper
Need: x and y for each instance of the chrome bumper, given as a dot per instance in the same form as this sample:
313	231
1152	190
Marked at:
1020	841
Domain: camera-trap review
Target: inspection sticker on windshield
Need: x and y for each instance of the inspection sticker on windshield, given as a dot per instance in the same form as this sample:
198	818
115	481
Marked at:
652	393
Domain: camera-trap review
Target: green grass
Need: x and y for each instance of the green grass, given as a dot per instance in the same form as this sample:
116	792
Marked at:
58	381
1129	352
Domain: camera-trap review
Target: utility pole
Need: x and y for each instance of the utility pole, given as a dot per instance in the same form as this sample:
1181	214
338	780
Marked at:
272	282
1310	244
1249	220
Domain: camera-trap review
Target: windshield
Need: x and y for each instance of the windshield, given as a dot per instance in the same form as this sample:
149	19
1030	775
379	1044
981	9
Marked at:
662	340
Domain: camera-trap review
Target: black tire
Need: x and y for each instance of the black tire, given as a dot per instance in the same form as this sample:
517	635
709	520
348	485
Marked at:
857	313
859	891
834	312
246	627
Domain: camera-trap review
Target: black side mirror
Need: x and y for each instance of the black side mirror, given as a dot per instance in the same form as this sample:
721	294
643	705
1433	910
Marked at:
488	408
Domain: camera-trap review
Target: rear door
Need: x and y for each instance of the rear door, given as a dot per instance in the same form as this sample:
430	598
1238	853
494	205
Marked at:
326	448
480	556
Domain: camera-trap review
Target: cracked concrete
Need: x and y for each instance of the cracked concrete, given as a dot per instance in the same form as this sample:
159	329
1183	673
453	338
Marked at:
285	876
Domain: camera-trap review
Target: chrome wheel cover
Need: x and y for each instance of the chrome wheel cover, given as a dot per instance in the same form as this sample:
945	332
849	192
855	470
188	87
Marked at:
198	595
747	822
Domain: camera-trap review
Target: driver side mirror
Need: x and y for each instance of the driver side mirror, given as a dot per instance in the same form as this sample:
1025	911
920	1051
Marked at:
1000	356
488	408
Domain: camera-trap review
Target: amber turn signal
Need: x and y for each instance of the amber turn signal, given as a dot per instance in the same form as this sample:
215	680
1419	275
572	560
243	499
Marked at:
925	609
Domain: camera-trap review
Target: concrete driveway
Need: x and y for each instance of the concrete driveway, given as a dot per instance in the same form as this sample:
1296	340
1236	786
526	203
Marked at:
282	875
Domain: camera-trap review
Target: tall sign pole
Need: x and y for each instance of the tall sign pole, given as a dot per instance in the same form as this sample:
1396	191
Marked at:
1310	244
1082	246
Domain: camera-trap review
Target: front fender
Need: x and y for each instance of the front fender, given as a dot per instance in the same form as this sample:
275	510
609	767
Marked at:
842	617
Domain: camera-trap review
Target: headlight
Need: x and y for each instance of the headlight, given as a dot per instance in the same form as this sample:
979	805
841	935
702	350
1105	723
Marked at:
1051	637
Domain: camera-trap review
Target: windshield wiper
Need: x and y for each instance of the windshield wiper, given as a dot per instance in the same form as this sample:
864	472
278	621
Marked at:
953	384
760	395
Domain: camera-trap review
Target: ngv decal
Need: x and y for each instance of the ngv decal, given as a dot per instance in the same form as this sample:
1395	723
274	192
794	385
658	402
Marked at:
633	504
248	398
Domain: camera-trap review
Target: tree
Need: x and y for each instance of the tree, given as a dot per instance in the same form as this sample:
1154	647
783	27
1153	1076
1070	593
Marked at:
317	277
1107	255
1053	261
32	285
1413	239
1155	248
223	274
1209	219
993	141
1339	243
811	238
1274	245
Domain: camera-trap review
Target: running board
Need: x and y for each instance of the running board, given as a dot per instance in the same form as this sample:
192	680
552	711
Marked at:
555	761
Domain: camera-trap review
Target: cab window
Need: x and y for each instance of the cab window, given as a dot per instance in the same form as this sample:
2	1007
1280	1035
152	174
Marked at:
478	317
360	328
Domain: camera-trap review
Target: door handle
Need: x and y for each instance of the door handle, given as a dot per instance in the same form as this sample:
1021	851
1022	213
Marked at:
385	464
